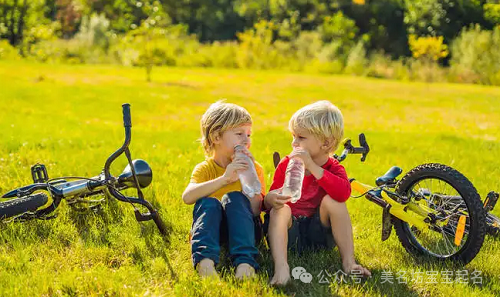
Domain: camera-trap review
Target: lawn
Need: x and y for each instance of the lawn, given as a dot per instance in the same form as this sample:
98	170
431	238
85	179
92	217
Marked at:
69	118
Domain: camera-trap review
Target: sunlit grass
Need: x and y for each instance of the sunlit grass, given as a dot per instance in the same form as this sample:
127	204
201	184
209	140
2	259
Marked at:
69	118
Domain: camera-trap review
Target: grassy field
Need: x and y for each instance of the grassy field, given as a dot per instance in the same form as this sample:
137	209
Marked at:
69	118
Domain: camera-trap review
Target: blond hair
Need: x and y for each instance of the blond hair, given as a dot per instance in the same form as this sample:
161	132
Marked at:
322	119
219	117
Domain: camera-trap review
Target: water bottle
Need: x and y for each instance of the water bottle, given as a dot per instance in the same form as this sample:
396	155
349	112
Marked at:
250	183
294	176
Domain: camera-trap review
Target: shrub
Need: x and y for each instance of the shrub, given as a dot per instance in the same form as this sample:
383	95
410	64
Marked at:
356	60
475	56
7	51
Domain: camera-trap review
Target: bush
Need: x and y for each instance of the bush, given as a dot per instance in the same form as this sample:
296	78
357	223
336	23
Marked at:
428	48
382	66
154	46
94	31
90	45
356	60
8	52
256	48
424	70
40	33
475	56
307	47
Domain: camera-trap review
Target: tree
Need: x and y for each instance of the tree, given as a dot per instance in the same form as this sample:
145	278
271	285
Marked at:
19	16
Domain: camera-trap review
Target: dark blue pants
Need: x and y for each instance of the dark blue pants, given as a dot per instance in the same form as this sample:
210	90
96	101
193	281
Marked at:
213	218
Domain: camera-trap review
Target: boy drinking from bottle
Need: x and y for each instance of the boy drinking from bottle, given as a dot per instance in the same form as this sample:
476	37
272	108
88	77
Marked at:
321	212
221	210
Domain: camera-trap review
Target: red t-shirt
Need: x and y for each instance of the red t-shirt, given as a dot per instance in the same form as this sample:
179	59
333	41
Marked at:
334	183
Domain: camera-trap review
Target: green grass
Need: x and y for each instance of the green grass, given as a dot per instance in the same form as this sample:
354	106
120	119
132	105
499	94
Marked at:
69	118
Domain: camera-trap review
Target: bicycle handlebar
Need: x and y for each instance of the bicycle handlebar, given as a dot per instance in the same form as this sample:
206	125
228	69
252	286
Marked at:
364	149
127	123
126	115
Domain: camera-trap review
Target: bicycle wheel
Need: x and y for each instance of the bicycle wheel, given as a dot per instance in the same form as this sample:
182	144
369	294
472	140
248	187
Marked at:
21	205
456	228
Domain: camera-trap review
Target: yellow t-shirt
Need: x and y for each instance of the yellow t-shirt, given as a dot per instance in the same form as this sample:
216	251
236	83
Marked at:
209	170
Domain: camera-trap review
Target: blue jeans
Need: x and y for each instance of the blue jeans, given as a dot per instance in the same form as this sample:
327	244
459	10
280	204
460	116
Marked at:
212	217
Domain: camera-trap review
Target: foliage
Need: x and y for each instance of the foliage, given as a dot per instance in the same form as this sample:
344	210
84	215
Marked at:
256	47
492	12
297	35
476	57
7	51
356	60
428	48
426	17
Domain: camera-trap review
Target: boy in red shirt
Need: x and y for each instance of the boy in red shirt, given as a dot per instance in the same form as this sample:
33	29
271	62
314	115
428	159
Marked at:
317	130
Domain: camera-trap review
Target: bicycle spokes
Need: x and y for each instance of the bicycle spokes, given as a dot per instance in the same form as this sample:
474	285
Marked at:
448	219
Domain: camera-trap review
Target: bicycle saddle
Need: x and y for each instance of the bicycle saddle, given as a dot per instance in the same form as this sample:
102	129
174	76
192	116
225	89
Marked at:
389	176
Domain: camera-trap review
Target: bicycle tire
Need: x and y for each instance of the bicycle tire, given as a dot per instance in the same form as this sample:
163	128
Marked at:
469	194
21	205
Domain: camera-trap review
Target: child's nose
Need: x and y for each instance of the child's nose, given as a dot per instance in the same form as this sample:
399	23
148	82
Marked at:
295	143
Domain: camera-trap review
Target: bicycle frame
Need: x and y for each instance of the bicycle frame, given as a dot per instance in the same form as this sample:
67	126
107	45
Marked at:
397	209
415	214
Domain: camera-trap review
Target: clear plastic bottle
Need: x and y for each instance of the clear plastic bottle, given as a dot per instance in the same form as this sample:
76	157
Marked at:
294	177
250	183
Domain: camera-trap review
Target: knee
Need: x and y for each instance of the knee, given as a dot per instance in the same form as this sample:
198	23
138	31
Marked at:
331	205
234	198
207	203
284	211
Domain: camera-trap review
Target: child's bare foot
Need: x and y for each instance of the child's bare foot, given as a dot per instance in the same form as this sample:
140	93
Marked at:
281	275
243	271
353	266
206	268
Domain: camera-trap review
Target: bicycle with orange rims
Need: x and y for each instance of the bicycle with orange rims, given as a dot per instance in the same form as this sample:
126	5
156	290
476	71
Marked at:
435	210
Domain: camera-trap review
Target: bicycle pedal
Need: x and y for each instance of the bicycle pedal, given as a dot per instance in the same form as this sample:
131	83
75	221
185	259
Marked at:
39	173
490	201
386	223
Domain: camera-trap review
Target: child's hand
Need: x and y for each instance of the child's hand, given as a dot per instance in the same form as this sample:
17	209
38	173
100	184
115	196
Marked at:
232	170
276	200
304	156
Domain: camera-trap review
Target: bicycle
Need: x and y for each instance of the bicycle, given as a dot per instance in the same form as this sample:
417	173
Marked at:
447	223
30	202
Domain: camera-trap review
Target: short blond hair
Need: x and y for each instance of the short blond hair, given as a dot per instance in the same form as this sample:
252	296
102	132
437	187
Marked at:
219	117
322	119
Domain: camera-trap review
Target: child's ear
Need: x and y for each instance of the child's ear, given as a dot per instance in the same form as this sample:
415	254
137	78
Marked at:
216	138
325	145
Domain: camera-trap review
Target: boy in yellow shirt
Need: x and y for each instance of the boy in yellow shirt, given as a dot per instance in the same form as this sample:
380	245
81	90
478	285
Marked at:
214	188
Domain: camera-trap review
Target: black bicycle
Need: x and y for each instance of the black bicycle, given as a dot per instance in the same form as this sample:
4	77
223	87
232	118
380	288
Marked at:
32	202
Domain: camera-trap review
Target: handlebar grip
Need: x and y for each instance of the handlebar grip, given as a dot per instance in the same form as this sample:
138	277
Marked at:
126	115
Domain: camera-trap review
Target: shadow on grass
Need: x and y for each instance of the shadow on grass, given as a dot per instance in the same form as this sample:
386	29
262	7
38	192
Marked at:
87	221
328	279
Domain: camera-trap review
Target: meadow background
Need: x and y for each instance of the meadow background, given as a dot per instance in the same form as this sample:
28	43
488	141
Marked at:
69	118
424	40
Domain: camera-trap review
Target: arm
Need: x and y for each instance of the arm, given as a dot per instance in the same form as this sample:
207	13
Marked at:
195	191
274	197
335	183
334	180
